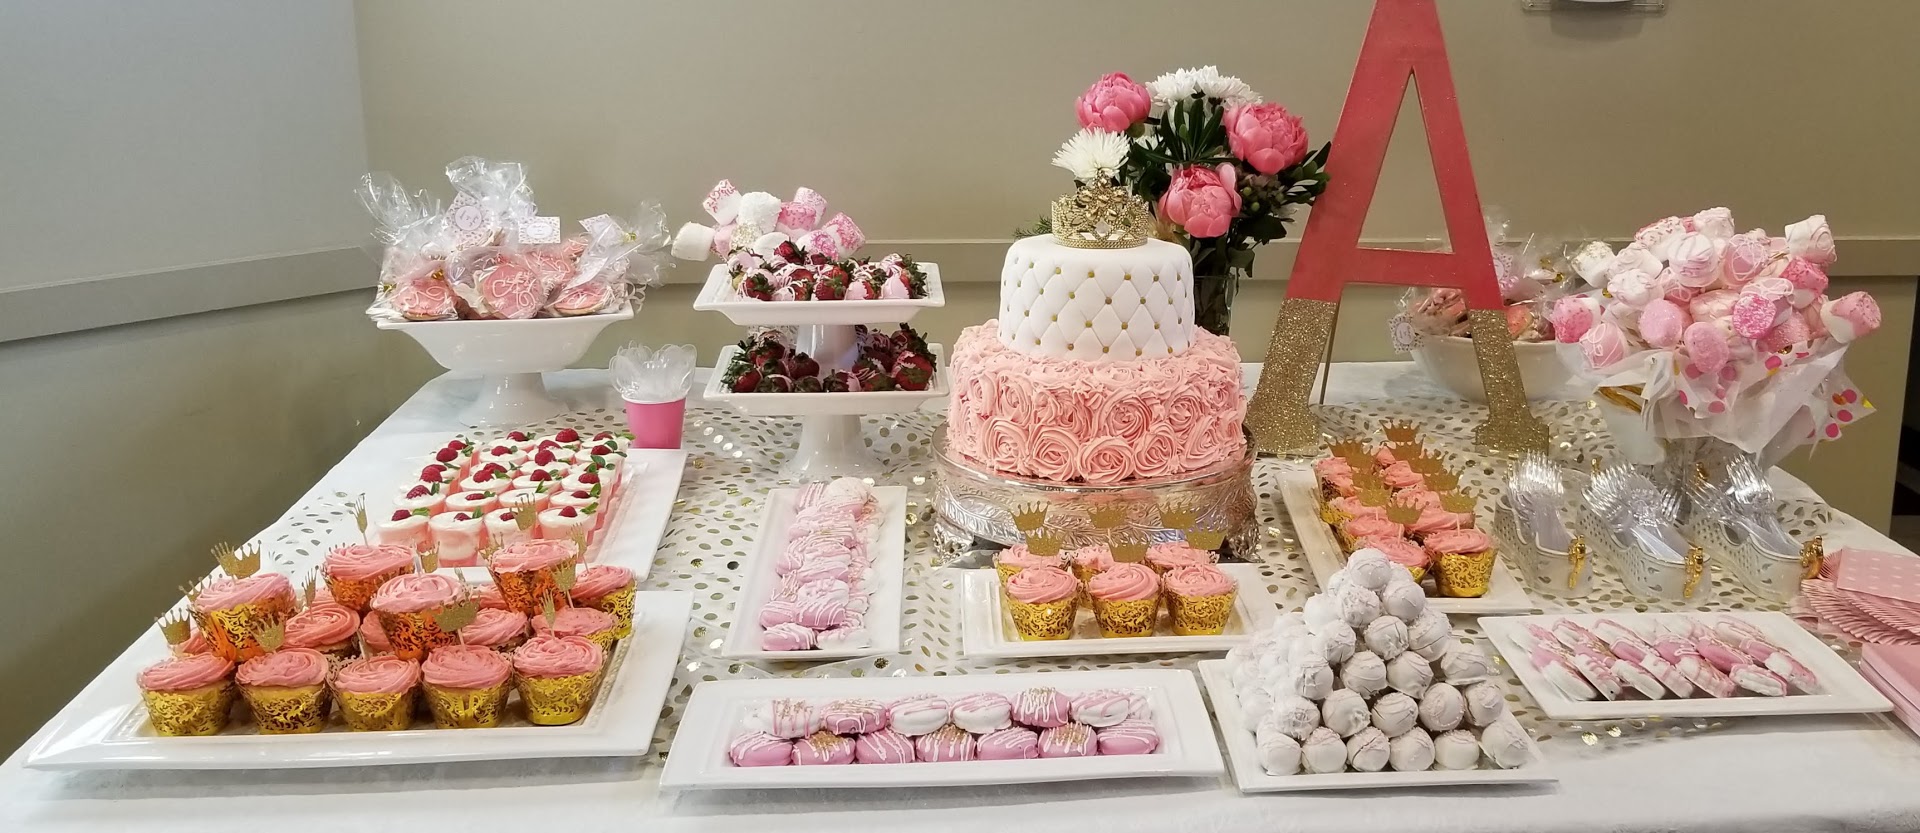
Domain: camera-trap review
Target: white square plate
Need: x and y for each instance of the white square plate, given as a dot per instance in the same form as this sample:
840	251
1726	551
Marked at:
988	631
1299	490
698	759
889	578
1252	778
717	296
1844	690
106	726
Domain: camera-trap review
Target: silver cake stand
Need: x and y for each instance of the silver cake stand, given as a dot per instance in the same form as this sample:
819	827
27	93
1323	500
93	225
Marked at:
973	506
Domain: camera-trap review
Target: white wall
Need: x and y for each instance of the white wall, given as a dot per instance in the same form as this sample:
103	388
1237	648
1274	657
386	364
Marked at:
143	136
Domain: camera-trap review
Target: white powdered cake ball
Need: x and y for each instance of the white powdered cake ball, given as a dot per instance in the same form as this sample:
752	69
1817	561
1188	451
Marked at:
1370	568
1505	742
1409	674
1364	673
1485	703
1456	750
1324	752
1291	625
1279	753
1411	752
1403	600
1336	642
1243	664
1303	649
1295	717
1442	708
1464	663
1358	605
1387	637
1394	713
1255	704
1345	712
1429	633
1313	677
1401	574
1337	580
1368	750
1319	610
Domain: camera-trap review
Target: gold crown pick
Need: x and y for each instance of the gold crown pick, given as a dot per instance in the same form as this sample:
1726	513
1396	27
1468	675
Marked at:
308	591
488	552
1374	497
455	616
430	559
238	564
1108	516
525	514
1443	481
1368	481
1457	503
1205	539
271	634
175	628
1041	543
1128	544
1102	215
1400	430
1181	516
1426	465
360	516
579	545
1351	451
547	611
564	578
1410	451
1030	517
1402	512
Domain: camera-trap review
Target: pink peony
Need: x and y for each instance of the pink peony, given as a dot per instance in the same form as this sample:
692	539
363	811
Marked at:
1202	201
1265	136
1114	103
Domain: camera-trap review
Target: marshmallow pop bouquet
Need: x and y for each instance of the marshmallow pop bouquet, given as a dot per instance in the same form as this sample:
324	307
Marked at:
1715	333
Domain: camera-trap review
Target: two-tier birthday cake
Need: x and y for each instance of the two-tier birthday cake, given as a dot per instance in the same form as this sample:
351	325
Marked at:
1095	372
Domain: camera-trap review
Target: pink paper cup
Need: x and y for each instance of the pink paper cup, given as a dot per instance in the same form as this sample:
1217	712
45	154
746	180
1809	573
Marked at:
657	424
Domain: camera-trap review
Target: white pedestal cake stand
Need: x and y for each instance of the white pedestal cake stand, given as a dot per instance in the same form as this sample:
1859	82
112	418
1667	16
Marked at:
830	422
510	356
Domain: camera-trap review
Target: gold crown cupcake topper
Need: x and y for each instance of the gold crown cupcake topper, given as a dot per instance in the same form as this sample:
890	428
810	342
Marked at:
564	578
525	514
271	634
1400	431
360	516
1402	512
1426	465
1041	543
1128	545
1107	516
1205	539
1178	515
1352	451
430	559
1030	517
175	627
1411	451
1576	559
238	564
1443	481
455	616
546	610
1102	215
1376	496
579	540
1457	503
1368	481
309	591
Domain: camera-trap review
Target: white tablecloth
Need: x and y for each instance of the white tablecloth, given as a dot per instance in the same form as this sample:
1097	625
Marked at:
1855	772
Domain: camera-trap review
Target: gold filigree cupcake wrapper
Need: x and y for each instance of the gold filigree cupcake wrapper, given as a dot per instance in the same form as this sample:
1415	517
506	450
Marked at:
357	594
1200	615
377	712
524	591
467	708
620	604
414	635
1120	619
288	710
1044	621
231	632
1464	575
557	701
197	713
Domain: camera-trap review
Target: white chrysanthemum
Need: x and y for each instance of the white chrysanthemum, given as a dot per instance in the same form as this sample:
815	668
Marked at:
1092	154
1182	84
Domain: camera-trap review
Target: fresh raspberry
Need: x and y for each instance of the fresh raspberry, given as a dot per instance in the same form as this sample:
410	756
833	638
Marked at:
432	474
568	512
544	458
567	435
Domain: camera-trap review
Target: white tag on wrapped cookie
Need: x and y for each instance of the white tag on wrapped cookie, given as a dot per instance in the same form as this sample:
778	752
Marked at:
539	231
472	224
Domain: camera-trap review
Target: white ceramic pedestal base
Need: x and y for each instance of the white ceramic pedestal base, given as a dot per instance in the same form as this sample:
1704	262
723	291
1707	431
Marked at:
830	443
511	399
509	356
829	447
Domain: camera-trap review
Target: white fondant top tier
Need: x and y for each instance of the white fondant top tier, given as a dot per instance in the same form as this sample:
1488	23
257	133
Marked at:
1099	305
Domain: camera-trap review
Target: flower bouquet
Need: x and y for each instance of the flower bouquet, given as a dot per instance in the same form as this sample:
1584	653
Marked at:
1221	169
1705	333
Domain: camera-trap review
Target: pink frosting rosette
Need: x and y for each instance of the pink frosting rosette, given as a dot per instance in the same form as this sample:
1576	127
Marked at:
416	592
1160	454
982	396
1198	580
1199	450
1041	585
1014	400
287	667
362	561
466	666
1053	454
1184	410
1124	583
1125	417
557	656
492	627
528	556
1006	445
377	675
232	592
1107	460
185	673
321	626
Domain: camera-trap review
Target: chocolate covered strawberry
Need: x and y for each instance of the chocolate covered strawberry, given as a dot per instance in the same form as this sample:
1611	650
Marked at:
808	384
747	381
829	289
801	365
775	383
907	339
787	250
757	285
839	381
911	377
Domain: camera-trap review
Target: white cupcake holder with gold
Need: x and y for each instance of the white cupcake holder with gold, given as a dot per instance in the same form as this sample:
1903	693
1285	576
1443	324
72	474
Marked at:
698	759
1539	566
1300	492
888	552
108	729
510	357
830	422
1244	756
1843	690
987	631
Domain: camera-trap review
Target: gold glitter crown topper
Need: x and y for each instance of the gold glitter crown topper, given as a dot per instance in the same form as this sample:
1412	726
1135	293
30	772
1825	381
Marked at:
1352	451
1101	215
1400	431
1128	545
175	628
1457	503
1030	517
1108	516
238	564
1401	512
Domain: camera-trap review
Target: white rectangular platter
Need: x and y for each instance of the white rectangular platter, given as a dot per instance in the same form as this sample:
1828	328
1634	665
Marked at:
717	296
1844	690
824	403
988	631
1250	777
106	726
888	551
698	759
1298	490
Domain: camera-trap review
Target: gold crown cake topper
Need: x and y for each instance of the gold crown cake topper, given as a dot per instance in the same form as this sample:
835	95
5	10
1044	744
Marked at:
1352	451
1442	481
455	616
1402	512
1128	545
242	563
1107	516
175	627
271	634
1205	539
1101	215
1457	502
1180	516
1041	543
1030	517
1400	430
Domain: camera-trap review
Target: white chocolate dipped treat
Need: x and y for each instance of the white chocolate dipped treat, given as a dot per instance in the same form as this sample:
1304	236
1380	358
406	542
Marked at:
1345	712
1370	568
1505	742
1367	751
1463	663
1296	717
1457	749
1409	674
1364	673
1357	605
1442	708
1386	637
1485	703
1394	713
1336	642
1279	751
1324	752
1411	752
1404	600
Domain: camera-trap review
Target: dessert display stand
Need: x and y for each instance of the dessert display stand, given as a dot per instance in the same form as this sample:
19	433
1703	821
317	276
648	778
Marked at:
830	444
510	356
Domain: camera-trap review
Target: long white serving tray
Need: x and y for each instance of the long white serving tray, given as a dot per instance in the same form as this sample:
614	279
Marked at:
698	758
988	631
1844	691
718	296
823	403
1250	777
1505	593
106	726
888	550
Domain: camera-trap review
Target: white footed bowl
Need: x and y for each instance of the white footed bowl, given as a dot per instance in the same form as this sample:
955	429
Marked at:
509	356
1449	362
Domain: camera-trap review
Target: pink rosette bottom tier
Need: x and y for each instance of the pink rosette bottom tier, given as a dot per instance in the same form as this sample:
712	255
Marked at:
1099	423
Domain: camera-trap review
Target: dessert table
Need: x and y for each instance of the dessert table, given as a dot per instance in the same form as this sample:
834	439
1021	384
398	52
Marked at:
1749	774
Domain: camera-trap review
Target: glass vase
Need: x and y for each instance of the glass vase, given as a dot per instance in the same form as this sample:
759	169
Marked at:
1213	298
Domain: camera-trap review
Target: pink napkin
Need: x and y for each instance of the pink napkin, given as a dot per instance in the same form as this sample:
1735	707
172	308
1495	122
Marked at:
1895	671
1883	574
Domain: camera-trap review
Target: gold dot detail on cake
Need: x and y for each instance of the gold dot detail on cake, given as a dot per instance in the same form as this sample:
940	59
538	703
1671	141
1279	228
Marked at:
1106	349
1126	276
1139	351
1123	325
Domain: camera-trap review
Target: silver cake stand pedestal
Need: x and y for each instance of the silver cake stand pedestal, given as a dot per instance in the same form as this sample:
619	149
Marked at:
973	506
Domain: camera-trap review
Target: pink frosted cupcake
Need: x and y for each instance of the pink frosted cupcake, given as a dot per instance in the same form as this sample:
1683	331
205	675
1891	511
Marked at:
1463	562
355	572
1126	600
525	572
1017	557
597	625
188	695
327	628
558	677
1089	560
1164	557
466	686
1042	602
487	596
232	610
376	694
607	588
407	606
1199	599
501	630
1369	527
287	690
1435	519
1401	476
374	637
1399	551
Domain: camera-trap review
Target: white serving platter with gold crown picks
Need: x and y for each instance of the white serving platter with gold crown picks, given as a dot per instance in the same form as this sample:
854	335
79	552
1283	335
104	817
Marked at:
987	628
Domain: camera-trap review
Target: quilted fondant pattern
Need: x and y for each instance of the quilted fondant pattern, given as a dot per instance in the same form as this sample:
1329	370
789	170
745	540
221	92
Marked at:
1096	304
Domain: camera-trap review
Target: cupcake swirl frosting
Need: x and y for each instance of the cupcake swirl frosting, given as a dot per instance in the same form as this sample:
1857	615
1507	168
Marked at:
1398	550
557	656
1124	583
1093	558
185	673
527	556
322	625
1198	580
1176	554
1459	541
374	635
286	667
575	621
1401	475
233	592
362	561
596	580
1040	585
1021	557
415	592
466	666
493	626
377	675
